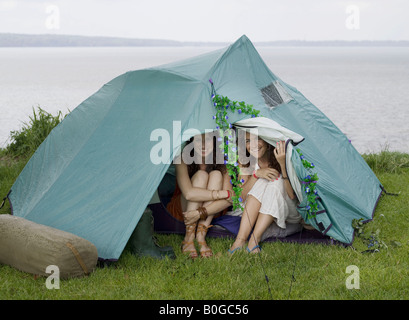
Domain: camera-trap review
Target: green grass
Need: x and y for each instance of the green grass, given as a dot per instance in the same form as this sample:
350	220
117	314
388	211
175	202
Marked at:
387	161
24	142
320	270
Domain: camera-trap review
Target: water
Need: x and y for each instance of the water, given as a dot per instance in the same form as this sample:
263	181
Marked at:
364	91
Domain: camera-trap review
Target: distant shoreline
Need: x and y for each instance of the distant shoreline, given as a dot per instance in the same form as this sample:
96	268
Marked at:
52	40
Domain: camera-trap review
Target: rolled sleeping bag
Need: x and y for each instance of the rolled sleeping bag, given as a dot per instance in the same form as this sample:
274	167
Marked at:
32	247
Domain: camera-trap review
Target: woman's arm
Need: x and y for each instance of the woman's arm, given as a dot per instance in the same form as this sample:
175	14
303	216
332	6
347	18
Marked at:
279	153
288	187
192	193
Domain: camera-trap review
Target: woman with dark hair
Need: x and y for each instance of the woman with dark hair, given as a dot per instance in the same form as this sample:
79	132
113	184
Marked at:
201	182
270	197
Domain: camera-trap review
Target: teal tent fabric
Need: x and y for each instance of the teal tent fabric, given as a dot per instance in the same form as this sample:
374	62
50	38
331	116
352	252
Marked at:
93	175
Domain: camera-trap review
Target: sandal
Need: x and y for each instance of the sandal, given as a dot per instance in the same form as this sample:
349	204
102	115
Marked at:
232	251
207	252
190	229
255	247
237	248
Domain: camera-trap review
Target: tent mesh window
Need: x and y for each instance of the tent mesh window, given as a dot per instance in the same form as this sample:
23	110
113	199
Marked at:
274	94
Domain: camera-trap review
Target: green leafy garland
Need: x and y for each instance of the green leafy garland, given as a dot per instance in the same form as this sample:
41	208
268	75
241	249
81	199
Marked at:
310	183
228	146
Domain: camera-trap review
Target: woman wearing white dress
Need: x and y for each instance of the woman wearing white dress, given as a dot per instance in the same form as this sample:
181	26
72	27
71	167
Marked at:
271	201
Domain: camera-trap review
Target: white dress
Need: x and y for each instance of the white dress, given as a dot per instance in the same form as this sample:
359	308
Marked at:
275	202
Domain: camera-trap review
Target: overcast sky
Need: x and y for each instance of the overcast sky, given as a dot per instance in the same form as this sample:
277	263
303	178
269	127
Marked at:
211	20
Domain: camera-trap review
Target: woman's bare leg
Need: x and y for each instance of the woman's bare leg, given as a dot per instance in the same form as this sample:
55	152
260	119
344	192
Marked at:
263	222
215	182
199	180
248	220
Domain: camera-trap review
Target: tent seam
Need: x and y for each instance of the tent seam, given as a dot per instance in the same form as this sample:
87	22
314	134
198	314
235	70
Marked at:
175	73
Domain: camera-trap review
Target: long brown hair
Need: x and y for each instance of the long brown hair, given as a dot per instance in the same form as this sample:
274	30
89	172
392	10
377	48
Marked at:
272	161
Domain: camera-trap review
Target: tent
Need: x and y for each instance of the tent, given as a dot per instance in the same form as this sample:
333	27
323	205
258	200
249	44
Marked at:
94	175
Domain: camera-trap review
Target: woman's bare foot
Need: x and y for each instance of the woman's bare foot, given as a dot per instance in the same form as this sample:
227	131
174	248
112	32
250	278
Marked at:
237	245
253	246
189	248
205	251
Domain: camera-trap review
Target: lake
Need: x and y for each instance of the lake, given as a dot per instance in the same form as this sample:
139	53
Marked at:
363	90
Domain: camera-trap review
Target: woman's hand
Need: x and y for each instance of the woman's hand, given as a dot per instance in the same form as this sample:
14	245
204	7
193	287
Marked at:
268	173
226	195
279	153
230	200
191	216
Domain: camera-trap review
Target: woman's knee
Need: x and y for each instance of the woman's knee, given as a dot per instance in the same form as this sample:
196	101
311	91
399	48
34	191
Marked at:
252	200
200	179
274	189
215	180
215	175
